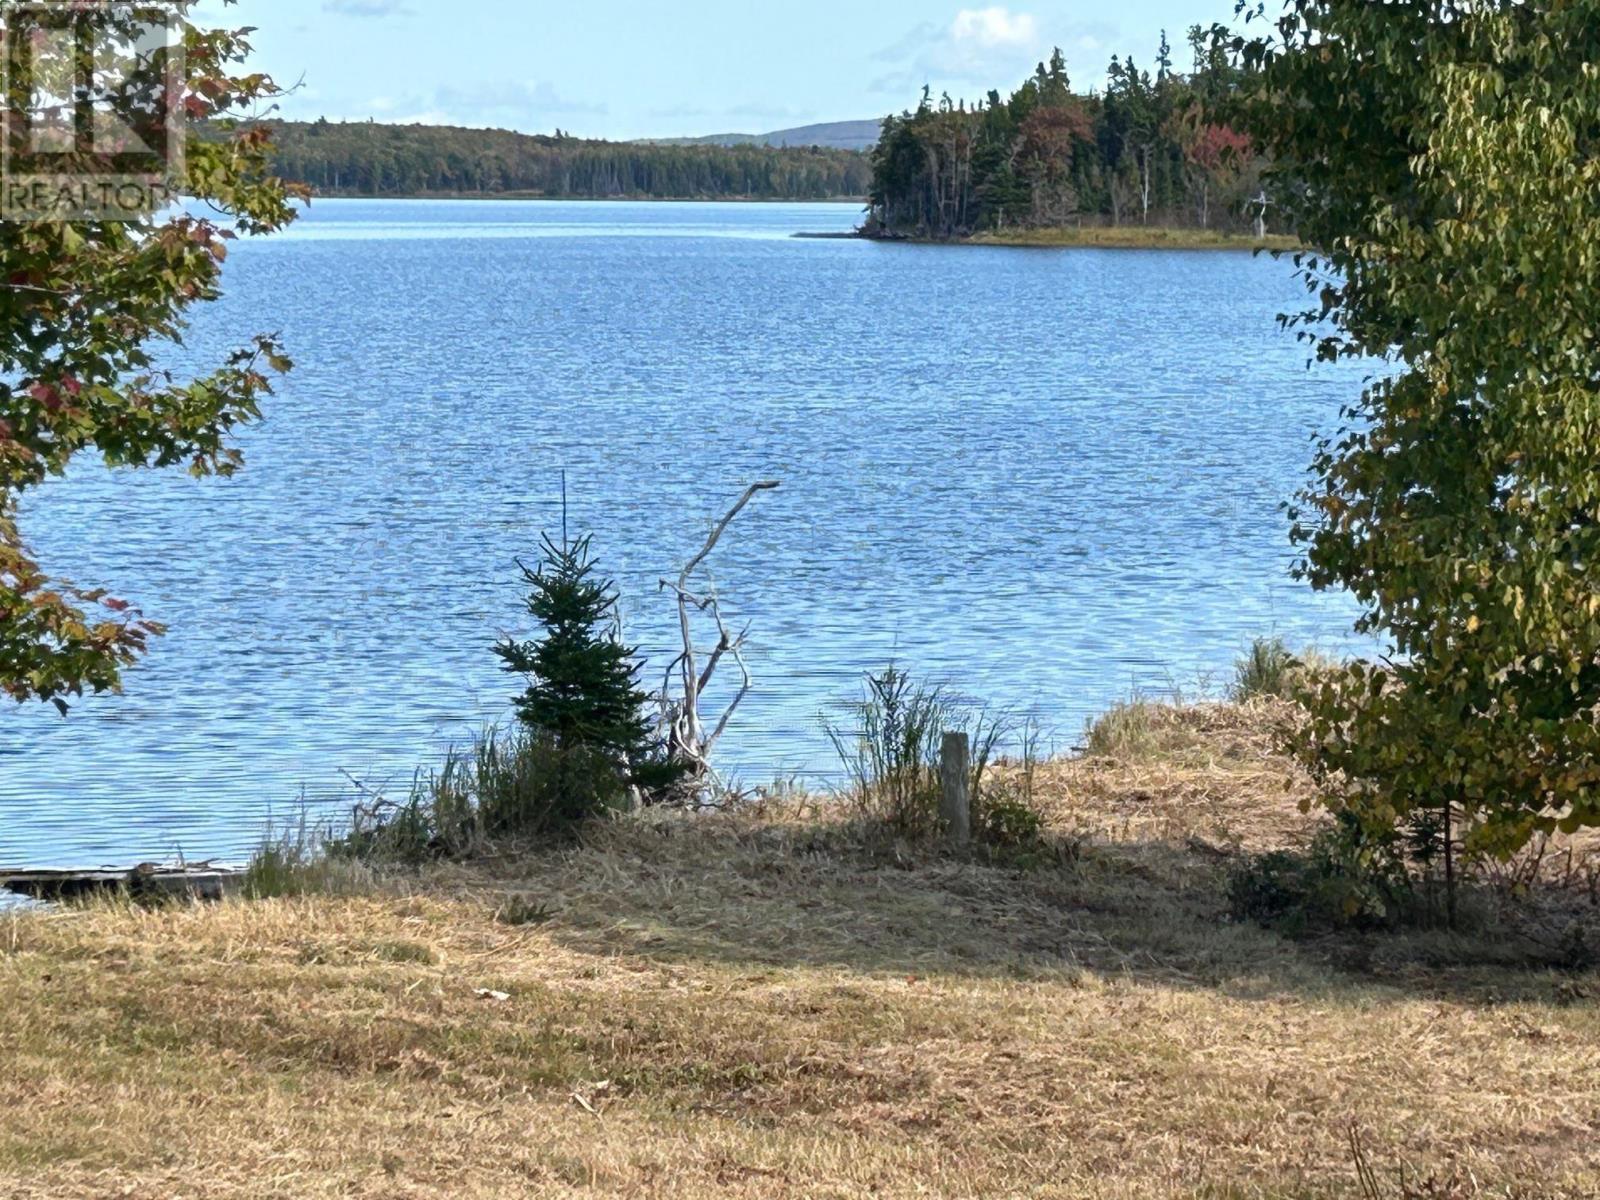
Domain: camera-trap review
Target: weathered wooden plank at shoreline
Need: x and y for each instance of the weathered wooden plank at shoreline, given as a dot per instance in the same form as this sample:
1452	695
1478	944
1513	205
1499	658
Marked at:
141	882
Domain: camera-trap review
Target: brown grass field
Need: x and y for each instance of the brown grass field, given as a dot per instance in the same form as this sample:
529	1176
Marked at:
766	1005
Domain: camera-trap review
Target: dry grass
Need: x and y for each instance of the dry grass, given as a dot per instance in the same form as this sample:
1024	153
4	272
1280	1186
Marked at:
1162	774
765	1005
1136	237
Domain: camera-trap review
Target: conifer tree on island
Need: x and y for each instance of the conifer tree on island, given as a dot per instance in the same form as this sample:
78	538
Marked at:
1155	149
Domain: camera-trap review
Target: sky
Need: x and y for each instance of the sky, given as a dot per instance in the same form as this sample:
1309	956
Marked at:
665	68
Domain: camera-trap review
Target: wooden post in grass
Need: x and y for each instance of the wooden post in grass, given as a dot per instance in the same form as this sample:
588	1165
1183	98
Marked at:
955	775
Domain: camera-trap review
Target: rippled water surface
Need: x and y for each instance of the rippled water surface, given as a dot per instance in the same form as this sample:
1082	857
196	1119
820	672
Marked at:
1047	477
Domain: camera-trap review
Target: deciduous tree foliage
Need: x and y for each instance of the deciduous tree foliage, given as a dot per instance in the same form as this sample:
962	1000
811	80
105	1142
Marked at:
84	307
1445	159
1145	147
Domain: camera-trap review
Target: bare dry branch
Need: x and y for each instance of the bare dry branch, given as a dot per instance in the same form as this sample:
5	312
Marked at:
744	690
716	533
687	740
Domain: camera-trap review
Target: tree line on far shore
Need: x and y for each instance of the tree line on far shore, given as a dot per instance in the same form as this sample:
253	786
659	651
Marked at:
370	159
1152	147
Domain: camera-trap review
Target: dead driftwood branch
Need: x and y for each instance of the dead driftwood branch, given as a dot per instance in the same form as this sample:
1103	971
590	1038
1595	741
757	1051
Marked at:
687	740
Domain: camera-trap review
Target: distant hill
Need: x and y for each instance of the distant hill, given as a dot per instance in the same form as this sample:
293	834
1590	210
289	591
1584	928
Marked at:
832	135
371	159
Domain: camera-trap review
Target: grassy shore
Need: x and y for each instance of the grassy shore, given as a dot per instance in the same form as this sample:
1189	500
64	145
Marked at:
1136	237
768	1004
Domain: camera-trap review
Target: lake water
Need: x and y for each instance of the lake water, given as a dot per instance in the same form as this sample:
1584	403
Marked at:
1048	478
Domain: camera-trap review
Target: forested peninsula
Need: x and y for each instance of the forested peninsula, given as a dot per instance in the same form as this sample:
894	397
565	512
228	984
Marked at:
371	159
1149	158
1150	153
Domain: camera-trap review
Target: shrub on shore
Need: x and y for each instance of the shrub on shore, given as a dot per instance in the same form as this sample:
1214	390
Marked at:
509	787
1350	879
1454	502
1165	731
1344	879
1126	731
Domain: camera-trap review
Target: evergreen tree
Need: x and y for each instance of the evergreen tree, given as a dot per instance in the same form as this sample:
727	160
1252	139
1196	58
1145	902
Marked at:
583	691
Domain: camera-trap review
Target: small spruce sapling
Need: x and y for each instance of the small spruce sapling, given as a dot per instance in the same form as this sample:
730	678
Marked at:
583	693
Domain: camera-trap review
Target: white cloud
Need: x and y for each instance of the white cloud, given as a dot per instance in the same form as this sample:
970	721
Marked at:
983	48
990	27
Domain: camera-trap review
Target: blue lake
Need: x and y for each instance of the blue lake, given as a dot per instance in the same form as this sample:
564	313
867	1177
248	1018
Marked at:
1048	478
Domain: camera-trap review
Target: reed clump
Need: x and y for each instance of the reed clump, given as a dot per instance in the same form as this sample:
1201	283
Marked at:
508	787
1270	670
890	747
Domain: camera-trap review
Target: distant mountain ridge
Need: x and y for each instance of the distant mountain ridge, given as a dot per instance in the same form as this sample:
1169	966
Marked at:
830	135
